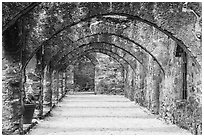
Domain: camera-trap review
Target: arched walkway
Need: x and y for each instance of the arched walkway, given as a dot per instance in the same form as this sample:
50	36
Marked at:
153	58
89	114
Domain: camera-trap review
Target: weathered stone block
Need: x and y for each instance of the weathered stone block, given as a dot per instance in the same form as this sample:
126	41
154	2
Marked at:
33	77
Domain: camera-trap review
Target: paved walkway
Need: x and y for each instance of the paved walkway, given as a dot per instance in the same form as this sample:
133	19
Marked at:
102	114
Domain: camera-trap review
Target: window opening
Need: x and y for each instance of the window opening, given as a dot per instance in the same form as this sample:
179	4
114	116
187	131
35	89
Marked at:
184	68
181	53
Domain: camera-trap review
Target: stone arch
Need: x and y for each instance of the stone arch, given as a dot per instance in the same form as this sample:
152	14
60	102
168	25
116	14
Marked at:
130	17
121	60
119	46
100	45
84	72
104	51
96	37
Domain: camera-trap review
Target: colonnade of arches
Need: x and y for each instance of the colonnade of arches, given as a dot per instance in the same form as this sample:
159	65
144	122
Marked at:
41	56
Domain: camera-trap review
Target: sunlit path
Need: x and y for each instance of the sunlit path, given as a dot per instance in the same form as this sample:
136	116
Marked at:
102	114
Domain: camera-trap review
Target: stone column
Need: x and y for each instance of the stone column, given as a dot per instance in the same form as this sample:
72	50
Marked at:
140	92
69	80
41	94
60	84
132	86
93	88
48	89
64	82
126	83
55	87
11	89
123	76
155	89
39	84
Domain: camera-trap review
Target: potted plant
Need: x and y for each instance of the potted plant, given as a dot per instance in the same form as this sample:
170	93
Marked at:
29	107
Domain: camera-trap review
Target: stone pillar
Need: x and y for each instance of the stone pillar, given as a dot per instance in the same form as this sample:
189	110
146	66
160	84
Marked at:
64	82
126	83
39	84
132	86
60	84
41	94
55	87
93	88
52	86
69	80
13	42
11	90
123	76
155	104
48	88
141	85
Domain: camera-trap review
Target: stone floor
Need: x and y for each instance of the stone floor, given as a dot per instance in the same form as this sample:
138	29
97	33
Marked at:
83	114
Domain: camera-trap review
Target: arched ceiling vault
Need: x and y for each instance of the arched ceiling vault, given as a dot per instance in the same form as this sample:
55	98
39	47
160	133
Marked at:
104	51
104	45
122	59
127	17
97	45
111	54
104	36
96	37
109	51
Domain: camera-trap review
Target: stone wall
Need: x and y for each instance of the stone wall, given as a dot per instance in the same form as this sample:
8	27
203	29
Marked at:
163	94
12	94
108	77
184	112
84	74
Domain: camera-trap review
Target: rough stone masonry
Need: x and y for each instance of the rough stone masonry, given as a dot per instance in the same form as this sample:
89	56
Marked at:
159	43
